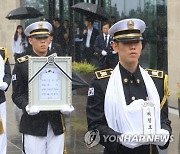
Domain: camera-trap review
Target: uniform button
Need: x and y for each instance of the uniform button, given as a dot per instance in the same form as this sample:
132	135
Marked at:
147	98
131	81
125	80
133	98
138	81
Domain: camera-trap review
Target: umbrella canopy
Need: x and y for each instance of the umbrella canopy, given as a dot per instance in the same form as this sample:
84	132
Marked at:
78	81
24	13
91	10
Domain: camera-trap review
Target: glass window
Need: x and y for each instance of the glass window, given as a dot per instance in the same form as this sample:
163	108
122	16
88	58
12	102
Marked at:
62	9
41	5
154	13
57	12
66	9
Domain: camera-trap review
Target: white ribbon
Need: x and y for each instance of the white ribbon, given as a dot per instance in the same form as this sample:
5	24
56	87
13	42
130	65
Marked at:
125	118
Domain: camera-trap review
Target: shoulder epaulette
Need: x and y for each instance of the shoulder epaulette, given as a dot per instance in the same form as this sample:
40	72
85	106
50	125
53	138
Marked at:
2	48
23	59
166	91
103	73
160	74
6	56
155	73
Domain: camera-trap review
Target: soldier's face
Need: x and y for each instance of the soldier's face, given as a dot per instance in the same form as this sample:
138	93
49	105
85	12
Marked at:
129	52
40	45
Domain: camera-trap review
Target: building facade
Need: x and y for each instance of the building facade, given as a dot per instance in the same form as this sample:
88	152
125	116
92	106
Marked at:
173	48
7	27
153	12
159	51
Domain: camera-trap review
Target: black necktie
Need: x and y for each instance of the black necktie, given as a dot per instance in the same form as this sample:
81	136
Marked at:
105	40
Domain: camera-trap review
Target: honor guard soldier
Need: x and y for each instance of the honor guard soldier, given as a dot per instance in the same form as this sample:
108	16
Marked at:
43	132
117	96
5	80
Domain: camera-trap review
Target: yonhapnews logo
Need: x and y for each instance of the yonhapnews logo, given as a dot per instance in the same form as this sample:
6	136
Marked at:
92	138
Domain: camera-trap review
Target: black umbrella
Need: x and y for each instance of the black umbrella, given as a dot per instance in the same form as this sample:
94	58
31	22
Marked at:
91	10
78	81
24	13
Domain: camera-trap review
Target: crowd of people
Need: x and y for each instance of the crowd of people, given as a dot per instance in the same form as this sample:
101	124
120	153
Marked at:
88	42
117	94
90	46
84	42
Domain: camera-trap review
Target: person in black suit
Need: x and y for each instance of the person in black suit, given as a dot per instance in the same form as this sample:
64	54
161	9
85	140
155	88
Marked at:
55	47
60	35
89	37
102	46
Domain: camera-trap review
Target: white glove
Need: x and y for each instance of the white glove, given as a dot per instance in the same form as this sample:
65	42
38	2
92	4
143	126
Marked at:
132	143
163	137
32	111
3	86
67	110
104	53
114	52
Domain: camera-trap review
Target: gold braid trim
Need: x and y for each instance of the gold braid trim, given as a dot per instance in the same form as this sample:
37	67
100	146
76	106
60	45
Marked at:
6	55
150	152
166	94
64	130
1	126
166	91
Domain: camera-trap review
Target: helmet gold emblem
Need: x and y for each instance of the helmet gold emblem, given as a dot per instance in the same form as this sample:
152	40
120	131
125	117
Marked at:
130	24
40	25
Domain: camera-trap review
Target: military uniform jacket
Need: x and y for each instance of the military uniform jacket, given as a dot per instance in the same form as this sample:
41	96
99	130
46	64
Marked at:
37	124
133	90
7	73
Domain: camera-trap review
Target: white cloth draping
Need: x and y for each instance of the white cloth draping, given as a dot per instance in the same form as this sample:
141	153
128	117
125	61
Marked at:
125	118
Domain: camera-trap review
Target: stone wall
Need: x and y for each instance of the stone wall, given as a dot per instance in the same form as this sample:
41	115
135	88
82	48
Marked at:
173	49
7	27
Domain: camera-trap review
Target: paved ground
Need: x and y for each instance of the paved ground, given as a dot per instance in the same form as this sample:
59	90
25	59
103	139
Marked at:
76	128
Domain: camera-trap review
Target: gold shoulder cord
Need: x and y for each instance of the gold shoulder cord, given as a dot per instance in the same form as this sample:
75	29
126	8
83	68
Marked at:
64	130
6	55
150	149
166	94
166	91
1	126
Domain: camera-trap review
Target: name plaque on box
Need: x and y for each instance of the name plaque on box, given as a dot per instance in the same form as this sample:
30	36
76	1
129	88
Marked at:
149	121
